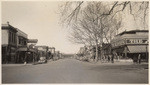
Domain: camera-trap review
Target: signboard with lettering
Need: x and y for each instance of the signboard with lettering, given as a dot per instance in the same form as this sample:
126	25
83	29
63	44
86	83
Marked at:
129	41
137	41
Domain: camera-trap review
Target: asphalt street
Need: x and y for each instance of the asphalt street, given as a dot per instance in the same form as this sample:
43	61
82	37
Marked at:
74	71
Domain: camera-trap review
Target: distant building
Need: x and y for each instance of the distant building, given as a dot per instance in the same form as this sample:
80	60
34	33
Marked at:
32	51
9	43
57	55
52	49
130	44
52	52
43	51
27	52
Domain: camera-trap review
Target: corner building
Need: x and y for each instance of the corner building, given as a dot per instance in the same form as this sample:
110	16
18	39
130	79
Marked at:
9	43
129	44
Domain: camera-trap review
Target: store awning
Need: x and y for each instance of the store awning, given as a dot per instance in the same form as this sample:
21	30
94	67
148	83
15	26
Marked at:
138	49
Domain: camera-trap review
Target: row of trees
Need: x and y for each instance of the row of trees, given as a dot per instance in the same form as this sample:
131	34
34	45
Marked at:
97	22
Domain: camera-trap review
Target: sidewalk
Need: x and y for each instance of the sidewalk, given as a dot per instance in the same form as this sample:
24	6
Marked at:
120	62
22	64
7	65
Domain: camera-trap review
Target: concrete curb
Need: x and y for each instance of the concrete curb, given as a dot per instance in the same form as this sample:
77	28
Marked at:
7	65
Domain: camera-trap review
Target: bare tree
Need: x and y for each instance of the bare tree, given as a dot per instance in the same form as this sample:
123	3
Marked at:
88	29
94	22
139	10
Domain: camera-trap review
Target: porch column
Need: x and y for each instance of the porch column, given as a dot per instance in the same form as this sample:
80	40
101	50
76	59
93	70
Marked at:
25	59
125	50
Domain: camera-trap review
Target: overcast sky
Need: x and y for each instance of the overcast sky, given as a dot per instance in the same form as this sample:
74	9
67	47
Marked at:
40	21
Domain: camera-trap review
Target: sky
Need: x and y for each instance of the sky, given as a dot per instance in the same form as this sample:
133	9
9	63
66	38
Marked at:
40	21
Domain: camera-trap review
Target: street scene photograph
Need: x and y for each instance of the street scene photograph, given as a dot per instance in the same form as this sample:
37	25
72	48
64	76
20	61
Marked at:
74	42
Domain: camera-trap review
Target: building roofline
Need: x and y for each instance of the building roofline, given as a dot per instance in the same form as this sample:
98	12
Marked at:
133	31
6	26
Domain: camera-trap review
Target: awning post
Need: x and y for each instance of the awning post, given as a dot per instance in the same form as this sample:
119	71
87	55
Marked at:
125	50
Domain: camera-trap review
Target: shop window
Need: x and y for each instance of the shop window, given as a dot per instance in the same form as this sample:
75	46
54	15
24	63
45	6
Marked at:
19	41
14	38
25	43
9	36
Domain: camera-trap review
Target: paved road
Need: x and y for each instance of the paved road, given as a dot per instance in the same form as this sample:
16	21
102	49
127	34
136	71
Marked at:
74	71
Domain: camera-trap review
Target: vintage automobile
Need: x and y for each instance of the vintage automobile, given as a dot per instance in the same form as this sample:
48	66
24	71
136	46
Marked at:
42	60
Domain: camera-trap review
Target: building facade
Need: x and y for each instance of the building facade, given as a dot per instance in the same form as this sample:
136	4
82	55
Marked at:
32	51
9	43
16	47
22	39
52	52
27	52
43	51
129	44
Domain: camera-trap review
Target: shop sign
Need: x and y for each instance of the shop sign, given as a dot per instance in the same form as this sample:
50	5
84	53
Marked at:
136	41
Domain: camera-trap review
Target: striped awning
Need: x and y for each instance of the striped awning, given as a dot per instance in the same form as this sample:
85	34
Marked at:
138	49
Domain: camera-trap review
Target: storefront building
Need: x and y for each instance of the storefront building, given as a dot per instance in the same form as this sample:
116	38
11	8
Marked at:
57	55
130	44
32	51
9	43
21	46
43	51
27	53
16	47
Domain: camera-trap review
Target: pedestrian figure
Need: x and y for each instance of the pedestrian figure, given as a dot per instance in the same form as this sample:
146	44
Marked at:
139	58
108	58
135	59
25	59
112	58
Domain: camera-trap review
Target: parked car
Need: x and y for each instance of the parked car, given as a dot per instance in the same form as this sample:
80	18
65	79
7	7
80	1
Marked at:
42	60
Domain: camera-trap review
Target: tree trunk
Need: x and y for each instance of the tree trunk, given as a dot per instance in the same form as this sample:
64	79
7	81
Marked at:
101	53
96	57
